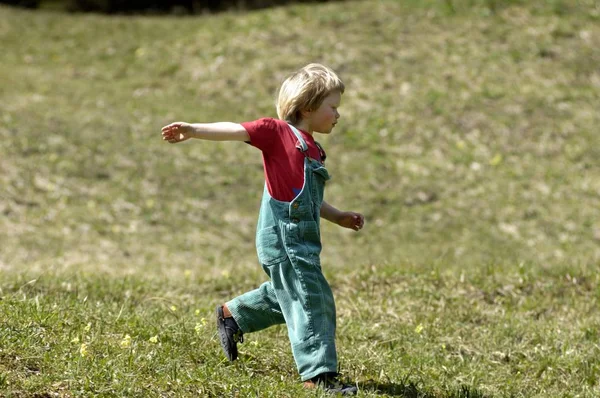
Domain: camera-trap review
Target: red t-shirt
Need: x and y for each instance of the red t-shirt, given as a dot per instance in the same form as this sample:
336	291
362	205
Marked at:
283	162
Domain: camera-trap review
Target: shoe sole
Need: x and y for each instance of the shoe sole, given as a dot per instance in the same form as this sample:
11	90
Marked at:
229	347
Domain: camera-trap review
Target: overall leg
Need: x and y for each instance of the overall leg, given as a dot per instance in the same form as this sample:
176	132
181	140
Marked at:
308	307
257	309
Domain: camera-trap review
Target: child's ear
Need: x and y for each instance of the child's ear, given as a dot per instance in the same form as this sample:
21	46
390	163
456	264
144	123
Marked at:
305	113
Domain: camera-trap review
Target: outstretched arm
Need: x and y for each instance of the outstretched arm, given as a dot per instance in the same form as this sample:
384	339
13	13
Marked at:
346	219
221	131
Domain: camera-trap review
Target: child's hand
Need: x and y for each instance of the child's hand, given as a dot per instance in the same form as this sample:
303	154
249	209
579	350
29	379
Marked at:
352	220
177	132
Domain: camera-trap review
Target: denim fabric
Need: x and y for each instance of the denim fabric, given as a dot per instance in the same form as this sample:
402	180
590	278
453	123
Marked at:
288	245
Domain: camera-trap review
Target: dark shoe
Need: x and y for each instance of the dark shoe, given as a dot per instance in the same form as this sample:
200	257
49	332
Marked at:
229	333
331	384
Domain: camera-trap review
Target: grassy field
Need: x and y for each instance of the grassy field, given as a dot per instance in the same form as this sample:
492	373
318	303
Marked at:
468	138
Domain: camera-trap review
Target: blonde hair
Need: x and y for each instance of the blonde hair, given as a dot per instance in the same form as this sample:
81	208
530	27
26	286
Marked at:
306	89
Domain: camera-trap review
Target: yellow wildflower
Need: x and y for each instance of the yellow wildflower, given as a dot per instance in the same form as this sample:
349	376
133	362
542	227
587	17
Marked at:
496	160
140	52
153	339
83	350
126	342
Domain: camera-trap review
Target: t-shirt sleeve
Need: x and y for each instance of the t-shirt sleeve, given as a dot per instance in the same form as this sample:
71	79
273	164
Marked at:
263	133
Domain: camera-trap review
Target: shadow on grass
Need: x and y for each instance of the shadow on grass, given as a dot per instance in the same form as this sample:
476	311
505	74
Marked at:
412	390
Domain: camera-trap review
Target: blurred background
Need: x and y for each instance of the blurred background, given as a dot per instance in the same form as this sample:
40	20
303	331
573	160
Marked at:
468	134
152	6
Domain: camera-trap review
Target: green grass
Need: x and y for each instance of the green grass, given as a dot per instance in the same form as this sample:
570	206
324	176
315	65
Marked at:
468	139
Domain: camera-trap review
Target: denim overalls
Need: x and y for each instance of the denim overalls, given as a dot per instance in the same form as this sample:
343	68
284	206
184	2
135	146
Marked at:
288	244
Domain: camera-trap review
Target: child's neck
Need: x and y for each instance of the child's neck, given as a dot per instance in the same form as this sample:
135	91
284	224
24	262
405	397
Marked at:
304	126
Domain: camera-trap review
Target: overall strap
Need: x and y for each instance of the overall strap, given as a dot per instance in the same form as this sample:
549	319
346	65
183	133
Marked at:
303	147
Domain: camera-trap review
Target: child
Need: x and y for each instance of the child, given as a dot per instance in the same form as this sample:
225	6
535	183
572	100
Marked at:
288	234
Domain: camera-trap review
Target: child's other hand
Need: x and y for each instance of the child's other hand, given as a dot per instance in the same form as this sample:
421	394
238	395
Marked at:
352	220
176	132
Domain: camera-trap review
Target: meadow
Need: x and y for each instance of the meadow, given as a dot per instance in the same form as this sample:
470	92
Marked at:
468	139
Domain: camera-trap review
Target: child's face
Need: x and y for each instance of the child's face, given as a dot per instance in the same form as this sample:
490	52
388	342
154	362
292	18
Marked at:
324	118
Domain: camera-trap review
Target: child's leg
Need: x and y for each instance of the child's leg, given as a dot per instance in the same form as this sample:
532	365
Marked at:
308	306
257	309
299	295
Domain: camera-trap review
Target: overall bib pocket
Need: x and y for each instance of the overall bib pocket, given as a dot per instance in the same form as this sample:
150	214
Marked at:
269	246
